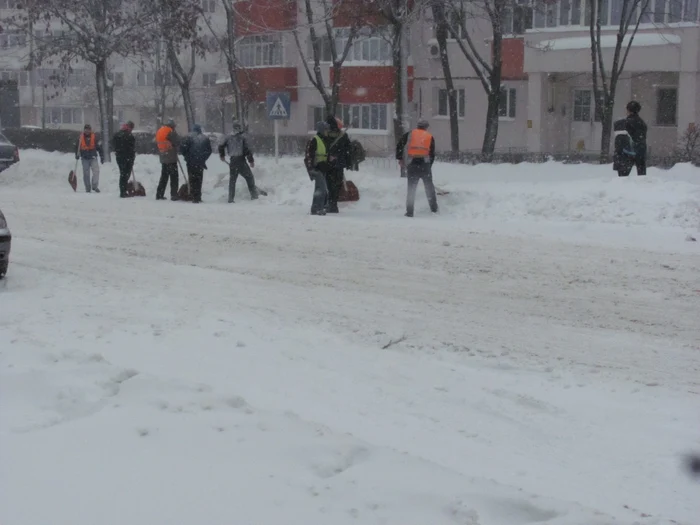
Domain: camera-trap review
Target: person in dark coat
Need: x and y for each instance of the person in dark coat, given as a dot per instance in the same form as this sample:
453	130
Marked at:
339	159
316	162
637	129
416	153
196	148
240	161
168	142
624	155
124	146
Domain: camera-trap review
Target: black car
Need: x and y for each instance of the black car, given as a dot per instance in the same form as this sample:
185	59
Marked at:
5	241
9	153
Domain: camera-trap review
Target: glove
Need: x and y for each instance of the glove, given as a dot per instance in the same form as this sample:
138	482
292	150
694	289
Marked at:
252	164
223	159
77	157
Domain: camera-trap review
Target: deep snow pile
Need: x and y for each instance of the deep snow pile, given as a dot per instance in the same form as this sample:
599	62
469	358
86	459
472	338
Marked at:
550	192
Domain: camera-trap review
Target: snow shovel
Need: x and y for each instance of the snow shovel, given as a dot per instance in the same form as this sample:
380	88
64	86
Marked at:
260	191
184	193
73	178
134	188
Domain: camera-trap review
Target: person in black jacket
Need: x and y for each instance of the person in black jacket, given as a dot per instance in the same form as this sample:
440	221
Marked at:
316	162
196	148
339	158
637	129
124	146
624	155
416	154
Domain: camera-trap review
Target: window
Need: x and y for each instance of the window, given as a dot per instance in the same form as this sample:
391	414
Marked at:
690	11
64	115
583	104
153	78
12	38
22	77
666	106
443	107
506	106
324	48
365	47
208	79
357	116
260	50
209	6
517	17
117	78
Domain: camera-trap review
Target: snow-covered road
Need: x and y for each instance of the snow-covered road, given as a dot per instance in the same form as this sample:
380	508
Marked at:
166	363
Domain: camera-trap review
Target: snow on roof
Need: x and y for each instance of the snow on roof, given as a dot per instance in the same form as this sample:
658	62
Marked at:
607	41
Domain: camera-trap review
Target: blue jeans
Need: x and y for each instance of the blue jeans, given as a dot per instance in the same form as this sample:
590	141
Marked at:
320	194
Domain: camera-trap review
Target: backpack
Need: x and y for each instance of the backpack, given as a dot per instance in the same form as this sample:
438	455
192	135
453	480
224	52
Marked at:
357	155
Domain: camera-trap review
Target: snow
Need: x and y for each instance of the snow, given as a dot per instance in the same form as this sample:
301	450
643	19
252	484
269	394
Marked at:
529	355
607	41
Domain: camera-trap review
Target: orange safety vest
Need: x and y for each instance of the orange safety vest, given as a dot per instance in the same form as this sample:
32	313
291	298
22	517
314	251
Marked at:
87	147
162	139
419	143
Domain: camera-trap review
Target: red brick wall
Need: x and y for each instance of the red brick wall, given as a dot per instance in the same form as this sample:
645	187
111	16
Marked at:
370	84
513	59
263	16
255	82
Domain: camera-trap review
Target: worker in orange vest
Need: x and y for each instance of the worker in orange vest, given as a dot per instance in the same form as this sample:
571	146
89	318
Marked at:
168	142
416	153
88	148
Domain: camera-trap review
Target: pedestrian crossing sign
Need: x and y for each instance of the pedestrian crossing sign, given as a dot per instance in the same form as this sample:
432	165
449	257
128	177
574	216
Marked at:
278	105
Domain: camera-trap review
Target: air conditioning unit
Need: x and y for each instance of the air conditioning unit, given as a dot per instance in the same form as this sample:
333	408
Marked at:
434	51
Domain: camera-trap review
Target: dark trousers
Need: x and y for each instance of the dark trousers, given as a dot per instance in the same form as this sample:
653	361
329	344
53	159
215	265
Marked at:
168	171
334	181
125	168
415	173
240	167
318	204
196	175
641	164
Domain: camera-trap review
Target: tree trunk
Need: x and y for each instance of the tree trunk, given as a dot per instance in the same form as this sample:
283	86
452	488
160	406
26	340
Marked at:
183	79
606	131
491	128
187	104
405	120
441	35
110	108
397	55
101	80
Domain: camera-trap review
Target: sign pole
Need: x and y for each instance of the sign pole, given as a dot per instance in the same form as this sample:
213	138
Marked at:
277	140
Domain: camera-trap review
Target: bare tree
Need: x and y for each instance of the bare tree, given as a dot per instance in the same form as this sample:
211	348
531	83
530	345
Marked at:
399	14
91	30
441	34
487	69
324	45
227	44
604	81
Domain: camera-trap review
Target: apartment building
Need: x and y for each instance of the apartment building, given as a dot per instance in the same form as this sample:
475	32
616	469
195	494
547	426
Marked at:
52	99
547	103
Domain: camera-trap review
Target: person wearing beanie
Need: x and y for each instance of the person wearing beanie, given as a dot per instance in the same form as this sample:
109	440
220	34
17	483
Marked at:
124	146
416	153
196	149
339	159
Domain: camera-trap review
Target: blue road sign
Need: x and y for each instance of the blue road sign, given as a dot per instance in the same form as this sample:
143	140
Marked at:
279	104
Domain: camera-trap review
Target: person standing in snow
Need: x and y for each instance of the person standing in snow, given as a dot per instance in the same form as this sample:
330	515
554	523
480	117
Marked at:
339	158
87	150
240	155
124	146
637	129
317	166
416	152
196	148
624	154
168	142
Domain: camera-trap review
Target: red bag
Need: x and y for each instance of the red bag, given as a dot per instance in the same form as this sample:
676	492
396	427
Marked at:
348	192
